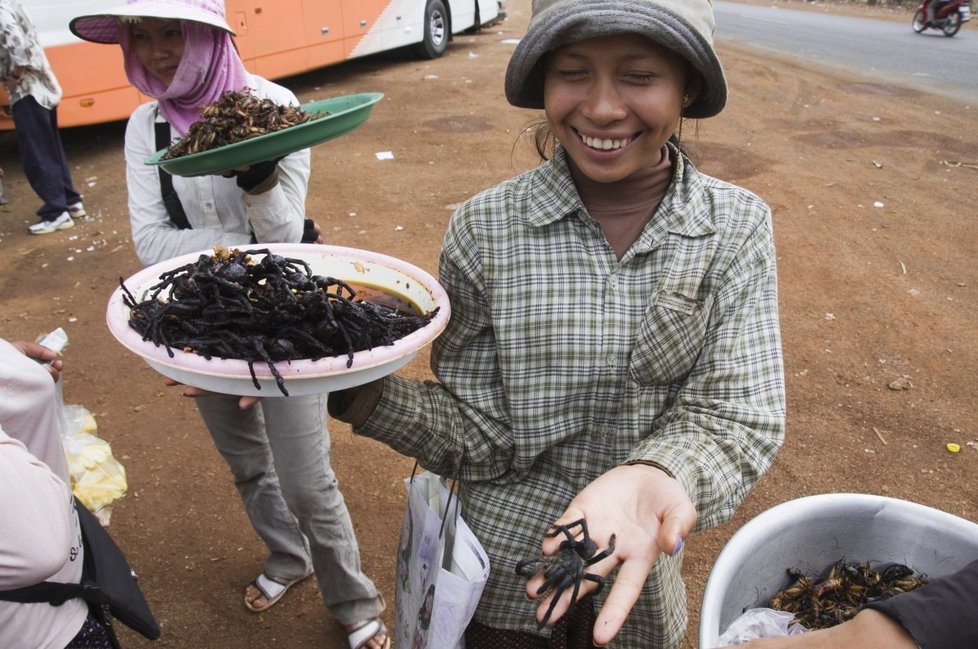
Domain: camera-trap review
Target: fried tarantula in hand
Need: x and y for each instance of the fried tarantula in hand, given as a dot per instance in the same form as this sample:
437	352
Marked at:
566	566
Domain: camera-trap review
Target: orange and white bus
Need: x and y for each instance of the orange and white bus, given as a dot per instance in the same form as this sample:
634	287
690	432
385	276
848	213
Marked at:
276	38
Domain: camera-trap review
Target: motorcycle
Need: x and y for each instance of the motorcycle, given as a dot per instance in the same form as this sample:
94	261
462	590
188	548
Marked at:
948	16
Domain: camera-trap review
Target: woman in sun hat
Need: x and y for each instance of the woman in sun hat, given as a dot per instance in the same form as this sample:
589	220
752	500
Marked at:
187	62
181	53
613	355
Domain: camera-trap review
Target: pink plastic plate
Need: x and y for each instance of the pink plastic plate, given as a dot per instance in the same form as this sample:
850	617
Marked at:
229	376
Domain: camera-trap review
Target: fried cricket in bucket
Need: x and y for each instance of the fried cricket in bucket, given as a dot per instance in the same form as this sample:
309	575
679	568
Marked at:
819	602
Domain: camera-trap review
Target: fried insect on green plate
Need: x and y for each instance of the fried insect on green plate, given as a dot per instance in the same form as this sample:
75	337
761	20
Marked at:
235	117
338	116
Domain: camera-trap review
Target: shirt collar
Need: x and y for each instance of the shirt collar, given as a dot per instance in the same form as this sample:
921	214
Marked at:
556	196
683	211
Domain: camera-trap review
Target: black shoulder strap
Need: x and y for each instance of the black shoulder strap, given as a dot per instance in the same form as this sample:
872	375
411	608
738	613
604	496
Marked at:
170	198
52	592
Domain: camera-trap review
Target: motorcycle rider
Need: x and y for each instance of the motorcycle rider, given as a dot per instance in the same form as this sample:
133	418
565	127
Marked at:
933	7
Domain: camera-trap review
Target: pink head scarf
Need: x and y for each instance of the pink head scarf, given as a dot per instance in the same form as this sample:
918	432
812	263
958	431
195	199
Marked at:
210	66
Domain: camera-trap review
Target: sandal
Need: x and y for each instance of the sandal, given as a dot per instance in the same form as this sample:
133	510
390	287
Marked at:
271	589
361	635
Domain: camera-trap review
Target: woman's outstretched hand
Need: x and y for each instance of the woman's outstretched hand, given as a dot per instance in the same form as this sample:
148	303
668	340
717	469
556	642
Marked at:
648	512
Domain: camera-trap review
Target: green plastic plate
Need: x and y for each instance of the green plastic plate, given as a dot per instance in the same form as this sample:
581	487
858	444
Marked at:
345	113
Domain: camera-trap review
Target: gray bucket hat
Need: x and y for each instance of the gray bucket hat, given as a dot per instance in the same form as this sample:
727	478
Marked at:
684	26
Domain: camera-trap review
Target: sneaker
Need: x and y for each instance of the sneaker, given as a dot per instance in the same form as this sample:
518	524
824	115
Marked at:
77	211
63	222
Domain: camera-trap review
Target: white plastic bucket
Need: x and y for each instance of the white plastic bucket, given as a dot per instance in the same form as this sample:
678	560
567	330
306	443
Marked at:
811	533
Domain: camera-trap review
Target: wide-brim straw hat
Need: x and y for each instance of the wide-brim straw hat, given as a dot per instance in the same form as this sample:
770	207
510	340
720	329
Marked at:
104	27
684	26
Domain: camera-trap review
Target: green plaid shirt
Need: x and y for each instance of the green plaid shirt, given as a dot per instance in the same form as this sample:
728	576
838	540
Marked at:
560	362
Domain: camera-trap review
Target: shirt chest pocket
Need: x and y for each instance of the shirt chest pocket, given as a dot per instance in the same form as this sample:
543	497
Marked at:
670	339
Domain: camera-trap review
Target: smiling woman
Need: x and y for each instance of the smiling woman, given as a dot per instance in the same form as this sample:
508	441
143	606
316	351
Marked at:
611	377
612	102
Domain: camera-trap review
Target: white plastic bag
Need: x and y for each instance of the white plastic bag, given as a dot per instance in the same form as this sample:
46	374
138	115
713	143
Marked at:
757	623
98	479
442	568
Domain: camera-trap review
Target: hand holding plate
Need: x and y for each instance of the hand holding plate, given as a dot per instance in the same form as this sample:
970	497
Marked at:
244	402
256	178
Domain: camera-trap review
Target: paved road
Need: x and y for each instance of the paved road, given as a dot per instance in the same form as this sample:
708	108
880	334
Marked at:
884	49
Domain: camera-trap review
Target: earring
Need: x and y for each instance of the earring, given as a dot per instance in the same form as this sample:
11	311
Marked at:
679	134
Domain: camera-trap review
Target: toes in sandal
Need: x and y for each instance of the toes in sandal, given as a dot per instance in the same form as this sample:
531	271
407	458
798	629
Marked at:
270	589
360	636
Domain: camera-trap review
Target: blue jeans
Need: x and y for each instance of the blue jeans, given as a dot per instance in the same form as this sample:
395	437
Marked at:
43	157
279	456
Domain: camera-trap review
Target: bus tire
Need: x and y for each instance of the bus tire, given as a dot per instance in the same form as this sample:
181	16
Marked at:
437	30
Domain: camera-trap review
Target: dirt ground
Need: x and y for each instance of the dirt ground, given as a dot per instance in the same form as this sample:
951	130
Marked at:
872	187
